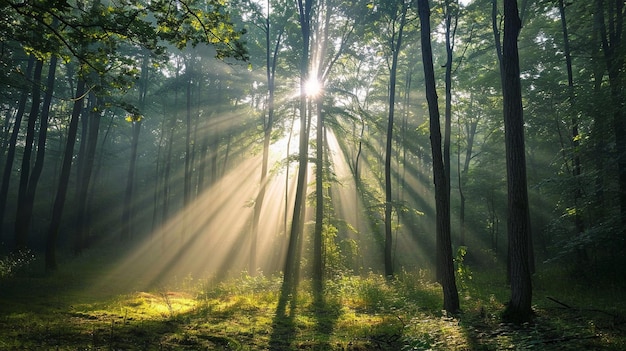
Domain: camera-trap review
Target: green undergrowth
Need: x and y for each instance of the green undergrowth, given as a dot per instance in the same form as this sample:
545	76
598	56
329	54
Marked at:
367	312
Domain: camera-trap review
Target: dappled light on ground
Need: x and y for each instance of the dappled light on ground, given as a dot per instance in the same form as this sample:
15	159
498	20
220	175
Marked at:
353	313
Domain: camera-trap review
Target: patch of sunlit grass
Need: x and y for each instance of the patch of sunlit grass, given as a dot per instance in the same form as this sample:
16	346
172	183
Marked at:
354	313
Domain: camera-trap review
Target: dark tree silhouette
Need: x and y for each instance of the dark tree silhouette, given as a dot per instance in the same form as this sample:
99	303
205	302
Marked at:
518	225
442	204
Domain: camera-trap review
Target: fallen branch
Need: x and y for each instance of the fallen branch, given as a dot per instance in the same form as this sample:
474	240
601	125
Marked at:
559	302
568	338
614	315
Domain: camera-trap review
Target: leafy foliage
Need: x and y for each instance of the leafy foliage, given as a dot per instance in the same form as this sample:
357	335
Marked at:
15	262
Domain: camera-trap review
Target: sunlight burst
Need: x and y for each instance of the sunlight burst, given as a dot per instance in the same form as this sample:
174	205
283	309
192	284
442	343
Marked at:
313	87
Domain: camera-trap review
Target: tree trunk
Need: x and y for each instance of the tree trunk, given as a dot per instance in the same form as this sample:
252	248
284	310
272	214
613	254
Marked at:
519	308
448	115
24	205
6	175
64	178
576	166
290	274
470	129
447	279
127	214
168	167
93	116
612	46
496	37
318	264
397	45
188	139
158	178
127	211
271	58
168	157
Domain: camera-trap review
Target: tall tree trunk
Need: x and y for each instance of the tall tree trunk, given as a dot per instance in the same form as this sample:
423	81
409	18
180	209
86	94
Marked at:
24	209
166	175
271	58
93	116
158	188
576	166
129	206
188	140
397	45
442	205
168	158
600	123
290	274
448	113
496	36
64	178
519	307
27	207
470	129
403	136
204	148
318	264
612	46
8	166
127	214
42	137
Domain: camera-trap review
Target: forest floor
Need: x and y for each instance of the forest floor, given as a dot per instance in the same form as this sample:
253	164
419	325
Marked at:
63	312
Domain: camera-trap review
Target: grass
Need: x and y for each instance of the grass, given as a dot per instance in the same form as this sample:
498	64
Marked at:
61	312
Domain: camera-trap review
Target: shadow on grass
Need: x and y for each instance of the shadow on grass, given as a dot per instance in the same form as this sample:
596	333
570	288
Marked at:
283	325
326	312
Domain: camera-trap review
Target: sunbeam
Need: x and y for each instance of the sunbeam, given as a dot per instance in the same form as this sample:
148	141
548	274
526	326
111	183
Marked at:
210	237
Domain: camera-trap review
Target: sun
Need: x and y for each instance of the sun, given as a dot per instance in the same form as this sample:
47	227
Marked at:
313	87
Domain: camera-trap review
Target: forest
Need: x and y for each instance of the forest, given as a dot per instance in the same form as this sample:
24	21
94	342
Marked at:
312	174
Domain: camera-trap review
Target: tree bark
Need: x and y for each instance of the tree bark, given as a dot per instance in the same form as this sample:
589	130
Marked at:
24	209
519	308
127	214
271	59
318	265
64	178
93	116
448	113
8	166
612	46
444	258
289	283
127	211
396	46
575	158
188	138
470	130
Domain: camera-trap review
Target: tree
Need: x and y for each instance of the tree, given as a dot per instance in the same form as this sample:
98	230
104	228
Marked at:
24	204
518	224
271	60
91	124
328	13
93	36
396	42
451	11
290	279
575	135
127	214
444	254
10	156
61	193
611	27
